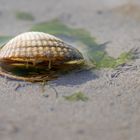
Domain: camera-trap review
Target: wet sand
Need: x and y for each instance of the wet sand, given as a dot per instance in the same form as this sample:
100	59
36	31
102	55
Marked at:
112	112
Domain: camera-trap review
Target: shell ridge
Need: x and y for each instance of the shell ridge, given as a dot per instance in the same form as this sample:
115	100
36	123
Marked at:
38	45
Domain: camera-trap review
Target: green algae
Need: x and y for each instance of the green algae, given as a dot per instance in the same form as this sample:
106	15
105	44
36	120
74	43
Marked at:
92	51
110	62
24	16
78	96
124	57
4	39
55	27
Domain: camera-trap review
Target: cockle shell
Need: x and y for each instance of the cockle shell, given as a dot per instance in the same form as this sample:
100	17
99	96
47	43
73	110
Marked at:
38	47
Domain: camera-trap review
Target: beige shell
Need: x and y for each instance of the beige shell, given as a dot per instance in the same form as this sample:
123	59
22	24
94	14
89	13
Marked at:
38	47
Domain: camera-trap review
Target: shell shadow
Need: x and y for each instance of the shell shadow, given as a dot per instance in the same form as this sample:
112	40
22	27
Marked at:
75	78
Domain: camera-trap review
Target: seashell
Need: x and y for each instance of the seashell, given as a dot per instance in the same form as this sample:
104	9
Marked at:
36	50
37	47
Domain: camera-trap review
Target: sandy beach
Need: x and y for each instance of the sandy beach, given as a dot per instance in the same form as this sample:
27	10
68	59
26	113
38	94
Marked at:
30	112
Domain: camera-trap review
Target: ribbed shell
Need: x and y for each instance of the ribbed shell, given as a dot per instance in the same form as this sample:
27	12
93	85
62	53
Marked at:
38	45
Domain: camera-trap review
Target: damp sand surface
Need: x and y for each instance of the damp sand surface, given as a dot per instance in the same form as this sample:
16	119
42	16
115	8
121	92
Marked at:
102	104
